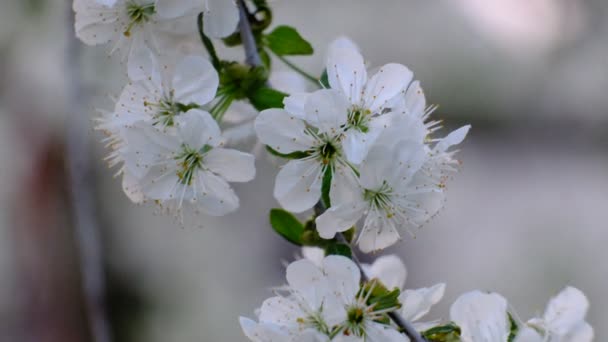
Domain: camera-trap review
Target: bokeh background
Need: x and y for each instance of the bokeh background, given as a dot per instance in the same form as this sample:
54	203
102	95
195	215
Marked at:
526	216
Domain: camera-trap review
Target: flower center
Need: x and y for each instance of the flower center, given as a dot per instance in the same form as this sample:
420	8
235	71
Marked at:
189	160
138	14
356	316
359	119
167	109
380	198
327	151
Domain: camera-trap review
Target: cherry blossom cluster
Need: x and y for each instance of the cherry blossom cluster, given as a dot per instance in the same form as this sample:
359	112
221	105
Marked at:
325	300
373	138
364	162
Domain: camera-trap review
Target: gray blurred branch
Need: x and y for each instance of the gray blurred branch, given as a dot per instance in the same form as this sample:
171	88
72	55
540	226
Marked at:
252	57
80	169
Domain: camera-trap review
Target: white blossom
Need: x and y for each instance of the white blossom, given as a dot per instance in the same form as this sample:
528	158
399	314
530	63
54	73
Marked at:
367	98
563	320
140	29
391	272
188	165
482	317
157	100
321	303
316	131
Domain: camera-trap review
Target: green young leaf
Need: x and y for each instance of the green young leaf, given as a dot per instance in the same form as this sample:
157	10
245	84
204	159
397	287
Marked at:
264	98
381	297
326	187
513	329
324	80
287	225
443	333
265	57
286	41
339	249
293	155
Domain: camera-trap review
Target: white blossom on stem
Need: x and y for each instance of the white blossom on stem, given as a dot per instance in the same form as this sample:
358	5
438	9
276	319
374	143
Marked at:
138	30
416	303
189	166
316	132
482	317
321	303
563	320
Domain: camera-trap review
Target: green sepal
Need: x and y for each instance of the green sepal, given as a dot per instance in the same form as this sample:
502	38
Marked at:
292	155
265	57
264	98
286	41
443	333
324	80
326	187
381	297
287	225
339	249
349	235
513	329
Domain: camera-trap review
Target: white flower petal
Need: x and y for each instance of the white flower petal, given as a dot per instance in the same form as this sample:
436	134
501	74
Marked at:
481	317
356	144
294	105
339	218
132	188
308	281
195	81
215	196
197	128
344	186
282	131
221	18
415	102
417	303
281	311
526	334
454	138
582	333
140	64
232	165
94	23
327	110
378	232
566	310
298	185
389	269
346	72
343	276
390	81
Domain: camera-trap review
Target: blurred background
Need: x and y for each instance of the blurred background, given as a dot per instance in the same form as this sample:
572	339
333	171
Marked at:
526	216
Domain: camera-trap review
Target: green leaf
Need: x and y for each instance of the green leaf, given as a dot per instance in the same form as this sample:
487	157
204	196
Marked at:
286	41
292	155
443	333
339	249
324	80
264	98
265	57
513	329
381	297
287	225
326	187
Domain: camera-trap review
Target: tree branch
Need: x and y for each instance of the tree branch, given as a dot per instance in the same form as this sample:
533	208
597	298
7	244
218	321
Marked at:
81	199
252	57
